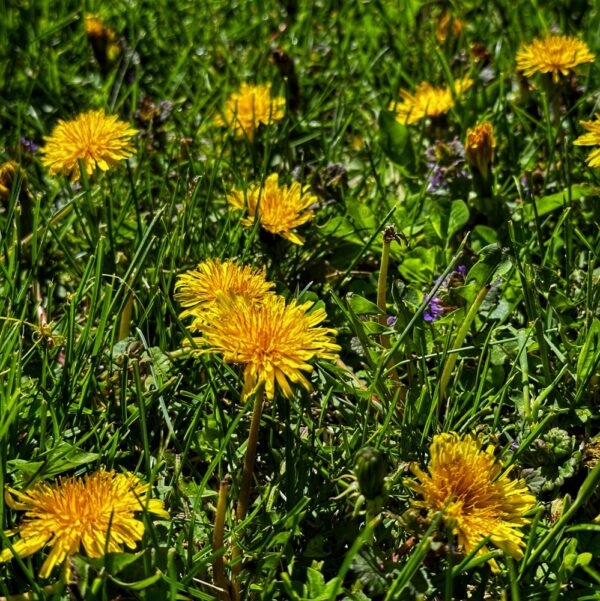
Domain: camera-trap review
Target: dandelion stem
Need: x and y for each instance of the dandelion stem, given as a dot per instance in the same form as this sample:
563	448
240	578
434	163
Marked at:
218	535
125	319
382	282
389	234
246	484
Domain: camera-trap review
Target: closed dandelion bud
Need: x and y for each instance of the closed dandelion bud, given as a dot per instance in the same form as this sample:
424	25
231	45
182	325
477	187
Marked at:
480	147
370	470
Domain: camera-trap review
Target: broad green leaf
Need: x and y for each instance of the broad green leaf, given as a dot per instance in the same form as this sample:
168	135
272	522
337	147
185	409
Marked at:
395	140
459	217
550	203
590	353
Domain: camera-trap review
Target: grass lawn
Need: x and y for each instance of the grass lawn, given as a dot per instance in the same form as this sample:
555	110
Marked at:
299	300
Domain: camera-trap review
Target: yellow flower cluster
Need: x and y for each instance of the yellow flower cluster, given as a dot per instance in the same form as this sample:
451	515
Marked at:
96	140
278	209
238	316
477	499
249	107
428	101
555	54
96	512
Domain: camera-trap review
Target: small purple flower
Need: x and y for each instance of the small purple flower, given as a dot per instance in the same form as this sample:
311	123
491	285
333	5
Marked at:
29	145
434	310
391	320
440	304
447	163
514	445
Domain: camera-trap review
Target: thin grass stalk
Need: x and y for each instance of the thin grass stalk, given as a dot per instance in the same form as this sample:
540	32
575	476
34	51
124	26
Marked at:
459	339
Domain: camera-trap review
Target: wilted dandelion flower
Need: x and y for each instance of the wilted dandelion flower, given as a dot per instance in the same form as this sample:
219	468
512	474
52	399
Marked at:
102	38
274	340
553	54
279	208
9	171
247	108
99	140
198	288
96	512
427	101
480	147
592	138
465	482
448	24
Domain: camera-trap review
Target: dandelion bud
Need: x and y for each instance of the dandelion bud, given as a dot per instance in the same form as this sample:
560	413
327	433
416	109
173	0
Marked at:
370	470
479	147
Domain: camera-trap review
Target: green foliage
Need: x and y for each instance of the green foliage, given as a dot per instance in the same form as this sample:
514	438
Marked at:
98	369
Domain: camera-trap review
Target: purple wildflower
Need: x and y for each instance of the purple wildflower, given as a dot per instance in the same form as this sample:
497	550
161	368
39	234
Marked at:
434	310
391	320
29	145
440	303
447	163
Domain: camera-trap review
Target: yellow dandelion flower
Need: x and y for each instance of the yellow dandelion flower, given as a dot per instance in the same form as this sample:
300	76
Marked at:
428	101
466	484
247	108
99	140
592	138
274	340
554	54
480	147
279	208
198	288
96	512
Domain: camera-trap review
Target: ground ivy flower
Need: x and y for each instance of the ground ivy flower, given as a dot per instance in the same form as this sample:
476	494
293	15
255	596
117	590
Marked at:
555	54
428	101
250	106
447	163
466	483
274	340
96	512
197	289
592	138
99	140
279	209
442	302
480	147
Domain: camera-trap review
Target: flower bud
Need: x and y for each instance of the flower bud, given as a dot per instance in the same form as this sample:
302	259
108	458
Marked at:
370	470
479	147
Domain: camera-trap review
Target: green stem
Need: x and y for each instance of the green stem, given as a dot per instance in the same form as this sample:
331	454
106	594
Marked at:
125	319
245	486
459	339
382	287
218	537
